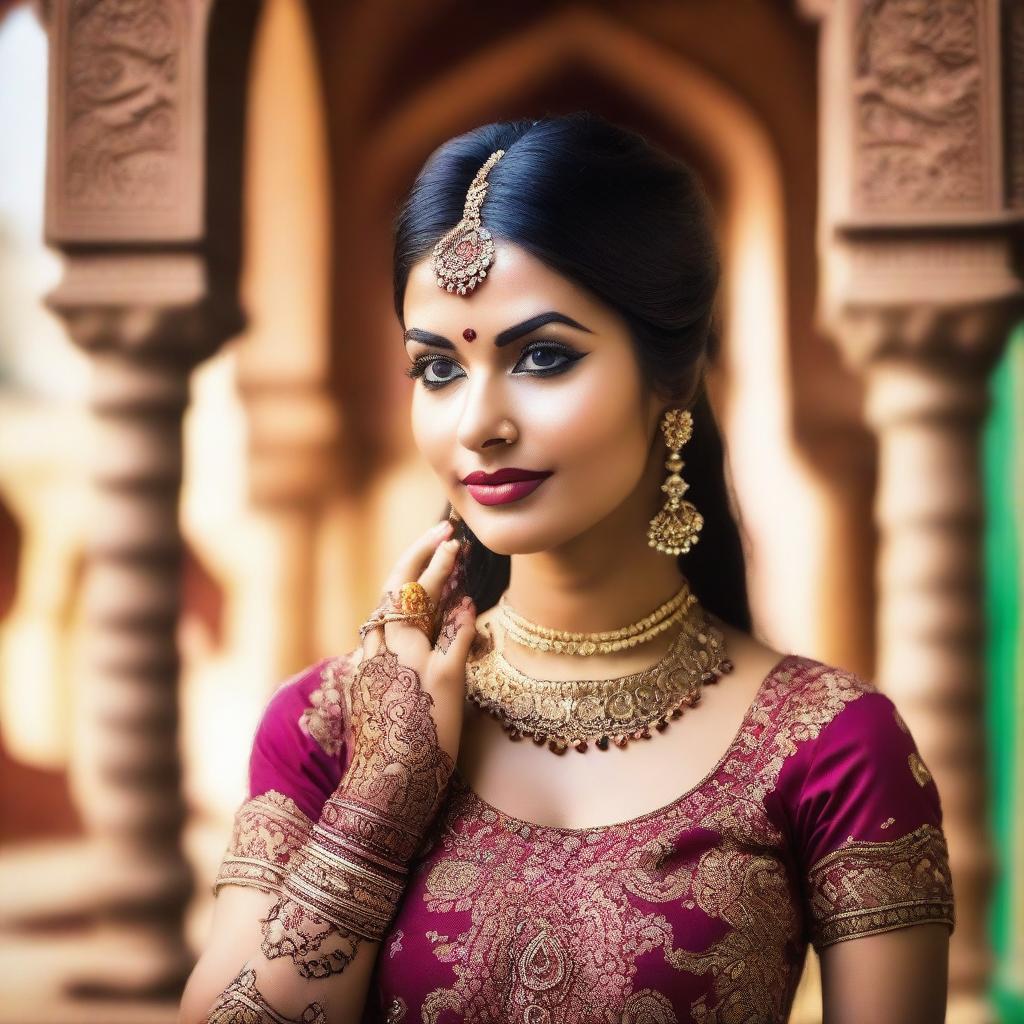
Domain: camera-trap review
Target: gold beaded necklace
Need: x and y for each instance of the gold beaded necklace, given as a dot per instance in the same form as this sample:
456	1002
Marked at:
563	713
560	641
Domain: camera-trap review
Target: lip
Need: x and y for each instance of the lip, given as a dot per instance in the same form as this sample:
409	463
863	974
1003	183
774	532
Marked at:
504	485
504	476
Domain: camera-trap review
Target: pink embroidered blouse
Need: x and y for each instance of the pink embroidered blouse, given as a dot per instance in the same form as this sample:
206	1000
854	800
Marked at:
819	823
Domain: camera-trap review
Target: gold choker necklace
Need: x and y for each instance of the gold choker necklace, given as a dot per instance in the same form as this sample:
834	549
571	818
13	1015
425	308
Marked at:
565	713
560	641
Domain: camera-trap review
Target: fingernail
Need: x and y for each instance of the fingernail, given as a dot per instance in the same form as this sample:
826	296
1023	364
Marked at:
450	545
441	528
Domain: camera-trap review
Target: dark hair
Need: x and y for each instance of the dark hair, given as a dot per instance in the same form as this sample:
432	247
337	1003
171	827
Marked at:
602	206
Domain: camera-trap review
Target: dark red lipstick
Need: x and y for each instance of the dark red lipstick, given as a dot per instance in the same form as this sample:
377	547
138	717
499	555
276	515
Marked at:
503	485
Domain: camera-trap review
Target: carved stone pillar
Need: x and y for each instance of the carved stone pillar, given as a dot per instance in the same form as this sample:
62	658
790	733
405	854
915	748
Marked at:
126	189
920	232
922	207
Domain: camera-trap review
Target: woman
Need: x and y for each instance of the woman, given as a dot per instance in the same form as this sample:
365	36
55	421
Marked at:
694	807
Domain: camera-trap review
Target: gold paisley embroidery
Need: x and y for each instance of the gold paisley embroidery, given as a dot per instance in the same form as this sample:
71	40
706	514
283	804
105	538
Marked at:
267	831
324	719
559	918
919	769
899	720
751	976
864	887
887	823
648	1007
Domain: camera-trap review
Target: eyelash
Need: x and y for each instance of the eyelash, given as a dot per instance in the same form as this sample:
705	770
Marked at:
419	366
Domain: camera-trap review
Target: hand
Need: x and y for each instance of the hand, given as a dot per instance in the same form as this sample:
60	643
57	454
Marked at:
404	716
438	564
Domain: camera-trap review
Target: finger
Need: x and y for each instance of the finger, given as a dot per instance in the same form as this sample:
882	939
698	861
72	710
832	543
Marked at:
411	561
440	569
456	638
408	637
372	641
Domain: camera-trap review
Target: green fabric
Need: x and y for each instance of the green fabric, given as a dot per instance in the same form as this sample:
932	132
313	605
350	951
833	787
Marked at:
1003	455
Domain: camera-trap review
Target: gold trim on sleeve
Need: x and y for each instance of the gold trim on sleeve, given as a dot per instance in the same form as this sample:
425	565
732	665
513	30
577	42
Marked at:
864	888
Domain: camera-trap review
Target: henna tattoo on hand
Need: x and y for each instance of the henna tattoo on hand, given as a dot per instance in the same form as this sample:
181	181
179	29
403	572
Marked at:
242	1001
449	629
345	883
398	773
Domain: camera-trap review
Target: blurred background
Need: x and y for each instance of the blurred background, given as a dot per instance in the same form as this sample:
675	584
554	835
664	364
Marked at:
205	459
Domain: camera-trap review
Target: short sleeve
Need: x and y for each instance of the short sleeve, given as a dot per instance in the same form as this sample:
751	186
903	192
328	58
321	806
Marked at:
868	828
297	759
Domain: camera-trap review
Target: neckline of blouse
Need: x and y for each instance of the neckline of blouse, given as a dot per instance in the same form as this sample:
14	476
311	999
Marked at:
734	743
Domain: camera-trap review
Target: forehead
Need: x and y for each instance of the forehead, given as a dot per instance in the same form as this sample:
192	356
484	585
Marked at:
517	286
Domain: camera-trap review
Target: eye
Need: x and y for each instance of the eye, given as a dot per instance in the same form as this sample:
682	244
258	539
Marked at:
549	358
420	366
543	353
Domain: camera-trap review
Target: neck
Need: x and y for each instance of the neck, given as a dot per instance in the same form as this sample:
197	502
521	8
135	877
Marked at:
601	580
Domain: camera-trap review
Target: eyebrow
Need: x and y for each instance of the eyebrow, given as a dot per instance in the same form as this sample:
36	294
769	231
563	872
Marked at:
506	337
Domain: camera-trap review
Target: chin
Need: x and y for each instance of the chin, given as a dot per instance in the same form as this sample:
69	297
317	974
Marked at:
521	535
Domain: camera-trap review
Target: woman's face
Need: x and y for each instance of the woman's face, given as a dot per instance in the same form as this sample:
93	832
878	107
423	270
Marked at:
567	394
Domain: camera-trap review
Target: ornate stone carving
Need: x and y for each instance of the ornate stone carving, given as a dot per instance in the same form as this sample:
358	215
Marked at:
919	107
126	145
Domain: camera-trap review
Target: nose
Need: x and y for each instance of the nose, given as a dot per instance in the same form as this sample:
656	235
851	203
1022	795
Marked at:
483	416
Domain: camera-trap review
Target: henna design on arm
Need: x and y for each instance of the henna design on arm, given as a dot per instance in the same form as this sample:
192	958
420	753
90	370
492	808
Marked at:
344	884
316	947
242	1001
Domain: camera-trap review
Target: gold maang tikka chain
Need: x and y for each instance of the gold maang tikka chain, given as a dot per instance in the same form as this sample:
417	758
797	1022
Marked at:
461	258
674	530
558	641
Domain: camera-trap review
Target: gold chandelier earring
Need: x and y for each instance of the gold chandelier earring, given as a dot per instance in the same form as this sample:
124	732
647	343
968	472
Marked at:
674	530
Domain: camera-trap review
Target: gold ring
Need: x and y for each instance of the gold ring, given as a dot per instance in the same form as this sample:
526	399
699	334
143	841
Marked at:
413	599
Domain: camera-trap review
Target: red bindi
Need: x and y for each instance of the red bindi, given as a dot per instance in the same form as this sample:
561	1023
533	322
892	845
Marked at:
469	334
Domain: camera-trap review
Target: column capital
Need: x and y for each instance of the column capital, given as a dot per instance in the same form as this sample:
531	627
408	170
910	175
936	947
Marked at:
922	195
960	337
158	305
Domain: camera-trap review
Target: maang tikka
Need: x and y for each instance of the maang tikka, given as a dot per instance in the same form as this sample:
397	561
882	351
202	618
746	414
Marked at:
675	528
462	256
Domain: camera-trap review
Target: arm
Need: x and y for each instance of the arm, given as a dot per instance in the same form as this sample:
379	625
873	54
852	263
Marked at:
908	971
237	925
304	948
297	761
867	820
309	946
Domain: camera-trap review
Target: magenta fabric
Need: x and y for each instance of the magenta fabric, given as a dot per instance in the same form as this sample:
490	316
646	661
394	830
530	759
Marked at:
284	757
819	823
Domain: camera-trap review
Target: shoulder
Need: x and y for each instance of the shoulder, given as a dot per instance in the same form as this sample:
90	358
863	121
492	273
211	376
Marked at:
299	747
804	696
310	703
851	767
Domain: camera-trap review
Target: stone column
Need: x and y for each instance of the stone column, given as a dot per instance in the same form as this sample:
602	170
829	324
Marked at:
921	216
284	365
126	196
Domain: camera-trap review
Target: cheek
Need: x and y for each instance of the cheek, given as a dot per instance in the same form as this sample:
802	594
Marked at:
430	431
596	416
